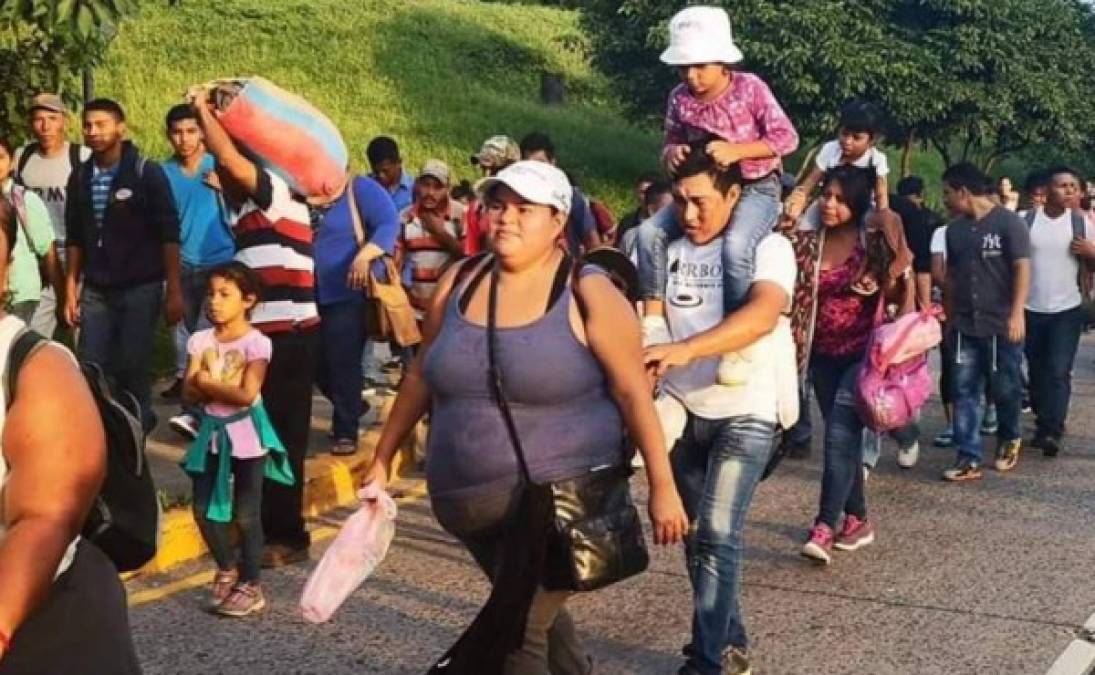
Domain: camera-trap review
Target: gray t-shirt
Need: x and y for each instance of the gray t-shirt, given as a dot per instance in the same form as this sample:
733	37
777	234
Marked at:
980	270
48	178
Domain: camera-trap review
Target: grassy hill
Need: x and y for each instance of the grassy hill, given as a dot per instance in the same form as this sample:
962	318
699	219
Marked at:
440	76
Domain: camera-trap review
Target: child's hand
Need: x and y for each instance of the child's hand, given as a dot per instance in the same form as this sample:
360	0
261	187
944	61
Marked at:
723	152
795	204
675	156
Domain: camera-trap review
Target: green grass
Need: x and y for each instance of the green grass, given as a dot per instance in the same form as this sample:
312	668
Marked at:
439	76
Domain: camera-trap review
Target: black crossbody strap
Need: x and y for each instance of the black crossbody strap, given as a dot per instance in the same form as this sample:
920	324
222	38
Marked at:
495	374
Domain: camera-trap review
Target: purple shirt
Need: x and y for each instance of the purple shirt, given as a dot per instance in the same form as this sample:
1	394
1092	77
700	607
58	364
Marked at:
745	113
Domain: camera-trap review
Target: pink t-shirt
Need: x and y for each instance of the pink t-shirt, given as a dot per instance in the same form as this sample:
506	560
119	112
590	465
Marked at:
747	112
844	318
226	361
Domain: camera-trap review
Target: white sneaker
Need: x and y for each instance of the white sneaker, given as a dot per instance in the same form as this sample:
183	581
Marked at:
655	331
906	457
185	425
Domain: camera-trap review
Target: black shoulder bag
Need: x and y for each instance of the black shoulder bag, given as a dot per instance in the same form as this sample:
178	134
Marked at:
595	537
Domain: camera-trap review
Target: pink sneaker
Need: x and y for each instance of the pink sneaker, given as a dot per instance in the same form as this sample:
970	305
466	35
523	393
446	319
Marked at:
820	544
855	534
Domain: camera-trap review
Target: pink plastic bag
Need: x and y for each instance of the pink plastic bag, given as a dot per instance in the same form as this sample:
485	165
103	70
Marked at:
360	546
894	382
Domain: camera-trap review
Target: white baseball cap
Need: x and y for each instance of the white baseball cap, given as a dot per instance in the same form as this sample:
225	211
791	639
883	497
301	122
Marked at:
537	182
701	35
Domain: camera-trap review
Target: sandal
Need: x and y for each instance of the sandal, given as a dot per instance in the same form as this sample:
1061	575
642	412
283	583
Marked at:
223	582
245	599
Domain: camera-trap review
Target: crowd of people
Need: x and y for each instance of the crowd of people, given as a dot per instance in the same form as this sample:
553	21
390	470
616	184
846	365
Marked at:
756	294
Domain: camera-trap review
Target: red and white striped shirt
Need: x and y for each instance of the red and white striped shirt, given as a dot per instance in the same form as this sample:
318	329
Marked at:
274	238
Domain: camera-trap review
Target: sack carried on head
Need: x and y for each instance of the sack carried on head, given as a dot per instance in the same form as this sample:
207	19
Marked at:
285	133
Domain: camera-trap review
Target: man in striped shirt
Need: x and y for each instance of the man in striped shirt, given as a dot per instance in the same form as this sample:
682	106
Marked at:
274	237
432	236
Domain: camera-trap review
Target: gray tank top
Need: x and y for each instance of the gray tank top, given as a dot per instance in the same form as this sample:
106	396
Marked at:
557	392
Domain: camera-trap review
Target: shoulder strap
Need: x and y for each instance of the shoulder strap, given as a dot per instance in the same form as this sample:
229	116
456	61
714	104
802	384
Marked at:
355	215
19	202
27	342
74	154
496	375
1079	225
1029	216
28	150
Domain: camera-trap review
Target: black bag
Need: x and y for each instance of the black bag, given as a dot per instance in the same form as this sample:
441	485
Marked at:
596	536
125	519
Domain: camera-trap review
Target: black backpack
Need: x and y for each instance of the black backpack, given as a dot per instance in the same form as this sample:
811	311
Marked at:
125	519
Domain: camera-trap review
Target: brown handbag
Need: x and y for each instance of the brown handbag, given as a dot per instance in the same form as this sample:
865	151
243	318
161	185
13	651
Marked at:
389	315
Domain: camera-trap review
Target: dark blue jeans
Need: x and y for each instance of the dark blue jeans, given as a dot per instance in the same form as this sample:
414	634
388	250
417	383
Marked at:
834	379
717	465
1052	340
195	288
802	431
342	338
978	359
247	475
117	331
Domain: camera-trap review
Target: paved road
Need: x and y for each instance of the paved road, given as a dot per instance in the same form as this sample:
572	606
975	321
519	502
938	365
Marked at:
990	577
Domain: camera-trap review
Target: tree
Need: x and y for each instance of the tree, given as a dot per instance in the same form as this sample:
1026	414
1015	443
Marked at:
974	79
45	45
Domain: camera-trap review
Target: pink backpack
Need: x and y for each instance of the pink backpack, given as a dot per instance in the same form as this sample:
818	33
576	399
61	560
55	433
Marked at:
894	382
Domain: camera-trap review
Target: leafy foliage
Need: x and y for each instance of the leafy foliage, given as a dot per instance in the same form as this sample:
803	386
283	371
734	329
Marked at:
45	45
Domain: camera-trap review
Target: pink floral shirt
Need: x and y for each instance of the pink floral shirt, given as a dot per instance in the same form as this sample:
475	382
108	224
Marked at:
844	318
747	112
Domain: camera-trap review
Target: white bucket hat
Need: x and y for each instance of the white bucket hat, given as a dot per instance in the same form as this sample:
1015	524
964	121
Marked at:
538	182
701	35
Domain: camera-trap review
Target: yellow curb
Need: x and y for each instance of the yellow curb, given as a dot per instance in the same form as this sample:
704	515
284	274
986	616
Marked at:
330	483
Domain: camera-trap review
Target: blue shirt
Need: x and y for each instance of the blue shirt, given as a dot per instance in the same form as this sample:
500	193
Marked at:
336	245
402	195
101	180
205	238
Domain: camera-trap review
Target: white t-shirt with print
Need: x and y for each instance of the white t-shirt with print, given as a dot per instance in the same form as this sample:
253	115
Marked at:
1053	269
694	303
829	157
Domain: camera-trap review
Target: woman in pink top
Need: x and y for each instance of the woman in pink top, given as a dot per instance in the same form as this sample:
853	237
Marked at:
737	119
236	445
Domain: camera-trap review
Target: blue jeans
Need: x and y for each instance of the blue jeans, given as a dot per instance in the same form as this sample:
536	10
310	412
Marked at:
341	340
802	431
717	465
1052	340
753	218
247	477
978	359
117	331
834	380
195	288
906	436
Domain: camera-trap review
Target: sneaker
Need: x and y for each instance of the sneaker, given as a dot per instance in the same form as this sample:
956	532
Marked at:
945	439
820	544
221	588
866	472
185	425
344	447
1025	405
963	469
1007	455
856	533
244	600
907	457
174	392
735	662
988	422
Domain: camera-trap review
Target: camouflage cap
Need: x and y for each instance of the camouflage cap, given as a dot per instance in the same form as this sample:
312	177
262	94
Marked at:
497	151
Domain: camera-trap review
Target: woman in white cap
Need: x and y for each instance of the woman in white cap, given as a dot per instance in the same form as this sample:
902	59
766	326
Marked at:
568	352
743	123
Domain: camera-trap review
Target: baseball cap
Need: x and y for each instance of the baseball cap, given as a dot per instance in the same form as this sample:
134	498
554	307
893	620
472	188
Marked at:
435	168
701	35
538	182
496	151
50	102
